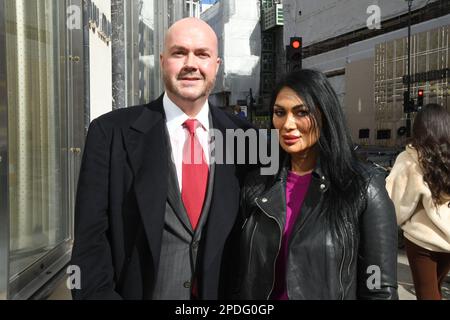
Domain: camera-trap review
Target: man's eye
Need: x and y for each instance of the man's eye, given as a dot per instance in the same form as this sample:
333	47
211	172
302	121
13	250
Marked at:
178	53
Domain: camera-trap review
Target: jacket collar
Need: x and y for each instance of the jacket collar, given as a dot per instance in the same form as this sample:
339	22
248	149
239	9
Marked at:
154	112
273	200
150	116
318	171
412	152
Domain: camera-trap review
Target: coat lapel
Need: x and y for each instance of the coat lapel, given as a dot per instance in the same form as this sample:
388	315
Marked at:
147	152
210	185
273	200
174	196
313	198
225	197
270	203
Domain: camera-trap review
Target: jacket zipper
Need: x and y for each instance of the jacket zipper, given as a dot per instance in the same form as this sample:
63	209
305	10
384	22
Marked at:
350	263
348	271
251	246
340	273
279	247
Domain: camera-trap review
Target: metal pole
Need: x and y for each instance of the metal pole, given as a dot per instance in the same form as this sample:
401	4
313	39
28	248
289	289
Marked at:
250	106
4	162
408	115
119	53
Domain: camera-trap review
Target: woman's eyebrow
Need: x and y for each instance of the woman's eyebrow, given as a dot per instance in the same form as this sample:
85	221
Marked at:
300	106
294	107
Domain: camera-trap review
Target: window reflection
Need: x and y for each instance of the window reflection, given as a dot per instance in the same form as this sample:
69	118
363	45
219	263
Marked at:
142	62
36	85
146	23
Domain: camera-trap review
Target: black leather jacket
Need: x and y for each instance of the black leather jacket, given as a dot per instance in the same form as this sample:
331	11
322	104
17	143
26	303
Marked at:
317	266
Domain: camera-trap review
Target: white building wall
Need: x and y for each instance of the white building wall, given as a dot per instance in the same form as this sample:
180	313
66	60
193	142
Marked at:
214	16
100	59
324	19
339	58
236	24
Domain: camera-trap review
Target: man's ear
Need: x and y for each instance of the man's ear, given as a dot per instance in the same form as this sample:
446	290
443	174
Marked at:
219	62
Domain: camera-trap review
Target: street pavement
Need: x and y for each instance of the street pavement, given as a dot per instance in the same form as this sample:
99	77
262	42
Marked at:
405	283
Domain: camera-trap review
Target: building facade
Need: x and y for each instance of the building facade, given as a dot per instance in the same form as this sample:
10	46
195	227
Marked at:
273	57
237	25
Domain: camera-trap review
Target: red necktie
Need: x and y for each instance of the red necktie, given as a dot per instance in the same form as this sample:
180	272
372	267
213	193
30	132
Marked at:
195	174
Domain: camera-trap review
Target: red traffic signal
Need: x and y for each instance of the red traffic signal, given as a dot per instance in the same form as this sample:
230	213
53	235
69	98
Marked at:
296	44
420	98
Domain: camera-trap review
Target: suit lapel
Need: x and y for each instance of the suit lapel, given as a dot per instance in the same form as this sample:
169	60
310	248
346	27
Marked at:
147	152
224	199
174	196
210	185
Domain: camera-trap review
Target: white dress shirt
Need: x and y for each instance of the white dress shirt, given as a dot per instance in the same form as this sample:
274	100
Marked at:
175	117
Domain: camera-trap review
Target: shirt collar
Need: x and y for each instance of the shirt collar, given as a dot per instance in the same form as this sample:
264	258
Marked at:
175	117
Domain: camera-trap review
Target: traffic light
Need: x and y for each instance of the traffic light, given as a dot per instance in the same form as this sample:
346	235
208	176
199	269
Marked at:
406	102
294	54
420	98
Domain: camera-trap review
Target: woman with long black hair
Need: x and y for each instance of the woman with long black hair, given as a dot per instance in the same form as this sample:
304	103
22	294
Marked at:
419	185
323	227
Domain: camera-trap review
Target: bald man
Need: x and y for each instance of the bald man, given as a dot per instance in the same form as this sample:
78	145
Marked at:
151	221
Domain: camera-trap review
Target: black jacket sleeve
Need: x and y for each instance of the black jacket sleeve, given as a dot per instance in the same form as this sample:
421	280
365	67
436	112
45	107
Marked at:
91	251
377	263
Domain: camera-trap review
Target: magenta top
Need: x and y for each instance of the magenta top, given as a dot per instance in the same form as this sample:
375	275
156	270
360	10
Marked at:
296	188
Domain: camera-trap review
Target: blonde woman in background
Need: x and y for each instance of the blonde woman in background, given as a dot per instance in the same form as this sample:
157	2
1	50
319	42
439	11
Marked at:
419	185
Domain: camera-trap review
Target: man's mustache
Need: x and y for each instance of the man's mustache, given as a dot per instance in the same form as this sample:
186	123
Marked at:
190	75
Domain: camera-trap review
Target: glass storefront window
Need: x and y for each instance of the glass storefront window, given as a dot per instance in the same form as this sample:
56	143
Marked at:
37	136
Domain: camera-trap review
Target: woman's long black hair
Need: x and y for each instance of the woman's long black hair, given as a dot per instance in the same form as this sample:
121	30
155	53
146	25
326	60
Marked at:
336	152
431	139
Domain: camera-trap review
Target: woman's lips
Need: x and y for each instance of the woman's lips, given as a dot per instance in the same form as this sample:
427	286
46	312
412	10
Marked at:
290	140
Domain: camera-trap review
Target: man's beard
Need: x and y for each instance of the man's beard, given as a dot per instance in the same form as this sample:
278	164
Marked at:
171	87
